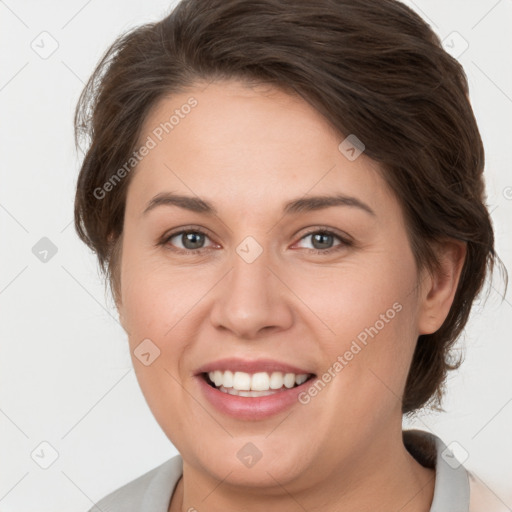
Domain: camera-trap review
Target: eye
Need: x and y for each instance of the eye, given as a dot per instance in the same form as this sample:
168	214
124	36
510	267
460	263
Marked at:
192	241
322	240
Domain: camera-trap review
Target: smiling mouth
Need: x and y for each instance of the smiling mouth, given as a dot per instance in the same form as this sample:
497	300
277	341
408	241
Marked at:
256	384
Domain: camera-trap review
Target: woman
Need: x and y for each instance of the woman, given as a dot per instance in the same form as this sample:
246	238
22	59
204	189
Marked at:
287	199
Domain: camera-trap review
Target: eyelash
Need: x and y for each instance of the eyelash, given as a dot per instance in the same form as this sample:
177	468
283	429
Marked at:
324	231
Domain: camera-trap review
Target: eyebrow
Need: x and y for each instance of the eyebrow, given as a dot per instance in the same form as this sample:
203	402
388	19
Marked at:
295	206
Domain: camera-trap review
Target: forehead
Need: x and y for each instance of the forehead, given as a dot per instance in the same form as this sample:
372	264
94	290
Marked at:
249	145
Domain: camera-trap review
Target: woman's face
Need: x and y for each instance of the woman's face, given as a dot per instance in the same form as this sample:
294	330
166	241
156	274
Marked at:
259	287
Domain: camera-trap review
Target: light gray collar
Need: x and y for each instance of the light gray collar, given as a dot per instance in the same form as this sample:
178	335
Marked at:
451	491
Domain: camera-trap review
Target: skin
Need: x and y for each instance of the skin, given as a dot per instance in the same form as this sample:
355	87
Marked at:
247	151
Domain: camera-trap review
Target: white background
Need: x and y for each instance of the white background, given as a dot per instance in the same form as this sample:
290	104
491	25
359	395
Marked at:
66	375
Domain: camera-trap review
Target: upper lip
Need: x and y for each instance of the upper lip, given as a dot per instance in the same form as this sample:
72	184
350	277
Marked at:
251	366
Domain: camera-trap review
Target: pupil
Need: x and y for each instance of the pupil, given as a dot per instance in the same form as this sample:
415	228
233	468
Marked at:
319	235
194	238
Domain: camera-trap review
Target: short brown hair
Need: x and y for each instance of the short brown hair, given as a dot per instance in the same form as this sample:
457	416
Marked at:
372	68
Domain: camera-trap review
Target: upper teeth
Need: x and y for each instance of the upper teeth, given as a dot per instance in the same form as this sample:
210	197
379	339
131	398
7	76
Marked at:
260	381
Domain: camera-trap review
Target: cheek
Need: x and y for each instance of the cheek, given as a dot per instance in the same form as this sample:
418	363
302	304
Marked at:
157	307
154	294
368	330
363	301
165	304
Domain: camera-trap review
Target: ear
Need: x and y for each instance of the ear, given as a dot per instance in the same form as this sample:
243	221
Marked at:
438	289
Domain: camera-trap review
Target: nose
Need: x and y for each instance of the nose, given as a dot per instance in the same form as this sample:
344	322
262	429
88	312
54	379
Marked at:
252	298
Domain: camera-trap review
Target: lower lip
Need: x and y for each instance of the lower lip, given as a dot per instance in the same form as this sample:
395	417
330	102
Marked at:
252	408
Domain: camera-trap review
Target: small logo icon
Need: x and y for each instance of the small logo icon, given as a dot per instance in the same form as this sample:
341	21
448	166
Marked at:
455	44
249	249
44	250
44	455
45	45
455	455
351	147
146	352
249	455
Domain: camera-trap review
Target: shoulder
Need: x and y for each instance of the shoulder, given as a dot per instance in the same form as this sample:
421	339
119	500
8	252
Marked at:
483	499
150	492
